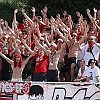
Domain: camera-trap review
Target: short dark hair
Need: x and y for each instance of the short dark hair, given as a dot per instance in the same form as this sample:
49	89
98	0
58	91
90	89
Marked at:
85	19
24	32
90	61
82	60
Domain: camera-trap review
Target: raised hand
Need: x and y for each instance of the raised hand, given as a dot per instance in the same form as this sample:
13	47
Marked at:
69	18
52	19
16	10
33	9
65	13
42	12
45	9
78	14
88	11
95	10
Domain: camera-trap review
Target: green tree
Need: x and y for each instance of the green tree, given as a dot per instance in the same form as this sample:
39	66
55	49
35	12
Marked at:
54	7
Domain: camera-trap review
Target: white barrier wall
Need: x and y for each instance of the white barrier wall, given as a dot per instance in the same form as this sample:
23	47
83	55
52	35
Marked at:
51	91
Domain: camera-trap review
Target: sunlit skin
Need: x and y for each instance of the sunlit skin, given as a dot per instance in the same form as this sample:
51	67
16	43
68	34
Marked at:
56	57
52	49
74	39
61	59
73	52
59	45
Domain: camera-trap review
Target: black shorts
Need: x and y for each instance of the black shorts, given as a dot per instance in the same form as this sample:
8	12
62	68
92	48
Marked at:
60	65
69	62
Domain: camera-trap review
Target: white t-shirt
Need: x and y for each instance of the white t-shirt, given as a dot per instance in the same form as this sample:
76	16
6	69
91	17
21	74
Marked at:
91	73
80	73
88	55
80	53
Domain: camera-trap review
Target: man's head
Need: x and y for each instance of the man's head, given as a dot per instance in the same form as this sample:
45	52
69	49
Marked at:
25	21
91	63
91	41
53	47
59	42
91	32
26	52
74	36
40	51
42	40
5	50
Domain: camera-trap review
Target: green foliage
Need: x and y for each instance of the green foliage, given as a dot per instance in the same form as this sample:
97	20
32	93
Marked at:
54	6
6	11
7	8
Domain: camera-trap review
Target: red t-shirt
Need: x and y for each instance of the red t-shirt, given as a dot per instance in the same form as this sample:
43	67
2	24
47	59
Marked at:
41	63
20	26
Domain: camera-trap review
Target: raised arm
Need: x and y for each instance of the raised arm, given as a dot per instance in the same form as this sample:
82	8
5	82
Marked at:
24	42
44	13
14	23
88	13
46	39
85	35
26	61
43	48
95	12
6	24
25	15
60	34
95	23
36	27
33	10
15	12
6	58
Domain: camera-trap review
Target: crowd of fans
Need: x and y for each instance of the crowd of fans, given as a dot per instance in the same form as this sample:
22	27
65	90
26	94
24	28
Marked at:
52	50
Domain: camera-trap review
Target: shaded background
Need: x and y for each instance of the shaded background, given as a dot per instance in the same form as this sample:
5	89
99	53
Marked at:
54	6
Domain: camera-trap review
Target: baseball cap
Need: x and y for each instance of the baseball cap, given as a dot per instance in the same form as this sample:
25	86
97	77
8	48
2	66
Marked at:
41	38
60	40
75	34
54	45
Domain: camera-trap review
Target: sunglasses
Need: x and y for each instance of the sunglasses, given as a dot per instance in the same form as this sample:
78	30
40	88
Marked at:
90	39
92	62
73	35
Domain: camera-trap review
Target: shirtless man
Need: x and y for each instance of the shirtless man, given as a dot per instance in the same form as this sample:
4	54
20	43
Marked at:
17	65
73	46
61	64
54	55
